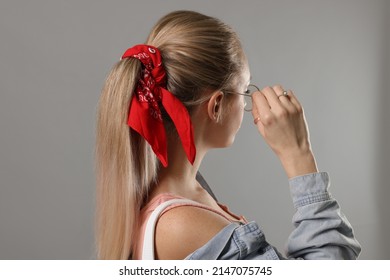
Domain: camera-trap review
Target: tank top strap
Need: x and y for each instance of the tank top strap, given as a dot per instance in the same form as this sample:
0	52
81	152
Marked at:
185	202
148	242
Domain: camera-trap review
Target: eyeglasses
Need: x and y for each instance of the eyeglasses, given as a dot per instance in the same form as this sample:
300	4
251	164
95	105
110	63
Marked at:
247	96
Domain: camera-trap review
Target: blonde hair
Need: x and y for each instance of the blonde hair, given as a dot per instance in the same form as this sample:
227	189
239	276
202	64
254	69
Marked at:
200	54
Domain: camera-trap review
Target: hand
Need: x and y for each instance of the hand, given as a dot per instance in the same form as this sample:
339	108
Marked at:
281	121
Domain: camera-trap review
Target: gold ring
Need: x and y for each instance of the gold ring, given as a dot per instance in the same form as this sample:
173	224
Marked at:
256	120
285	93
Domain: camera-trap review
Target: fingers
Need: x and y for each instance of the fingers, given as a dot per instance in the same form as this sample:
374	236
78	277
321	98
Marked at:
294	101
275	97
280	101
272	102
260	110
262	106
271	96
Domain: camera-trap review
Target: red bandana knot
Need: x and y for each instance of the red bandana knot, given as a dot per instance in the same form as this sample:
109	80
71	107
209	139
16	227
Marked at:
144	112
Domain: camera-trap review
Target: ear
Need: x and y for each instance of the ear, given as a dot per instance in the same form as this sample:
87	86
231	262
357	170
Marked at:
214	105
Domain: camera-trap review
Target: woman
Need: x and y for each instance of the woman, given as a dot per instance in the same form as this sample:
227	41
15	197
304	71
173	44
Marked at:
165	104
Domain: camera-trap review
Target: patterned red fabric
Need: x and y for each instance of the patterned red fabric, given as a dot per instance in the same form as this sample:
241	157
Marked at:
144	112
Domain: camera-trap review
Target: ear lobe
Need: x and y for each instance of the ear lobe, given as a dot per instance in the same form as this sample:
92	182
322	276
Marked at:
214	105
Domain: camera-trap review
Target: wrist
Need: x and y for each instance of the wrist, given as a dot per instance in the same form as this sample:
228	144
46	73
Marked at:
299	163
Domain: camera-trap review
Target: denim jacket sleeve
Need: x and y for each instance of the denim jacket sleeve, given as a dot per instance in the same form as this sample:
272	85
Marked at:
321	231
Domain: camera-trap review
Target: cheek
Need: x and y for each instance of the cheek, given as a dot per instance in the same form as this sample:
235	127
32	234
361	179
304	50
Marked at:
240	118
239	110
242	111
236	114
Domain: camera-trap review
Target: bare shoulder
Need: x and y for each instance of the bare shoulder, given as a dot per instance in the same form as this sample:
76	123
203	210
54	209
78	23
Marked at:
182	230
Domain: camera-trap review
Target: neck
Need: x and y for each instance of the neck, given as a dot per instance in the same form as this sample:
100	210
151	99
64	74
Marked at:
179	177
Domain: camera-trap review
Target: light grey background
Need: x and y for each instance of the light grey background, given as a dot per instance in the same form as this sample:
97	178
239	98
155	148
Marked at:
54	58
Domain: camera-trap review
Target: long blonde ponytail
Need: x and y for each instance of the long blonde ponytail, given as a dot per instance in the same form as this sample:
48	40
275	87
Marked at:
125	171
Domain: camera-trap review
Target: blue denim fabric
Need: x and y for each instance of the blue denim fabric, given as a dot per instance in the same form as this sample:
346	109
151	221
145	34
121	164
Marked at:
321	230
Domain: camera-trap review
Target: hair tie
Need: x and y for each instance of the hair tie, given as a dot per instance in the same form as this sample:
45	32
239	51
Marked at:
144	112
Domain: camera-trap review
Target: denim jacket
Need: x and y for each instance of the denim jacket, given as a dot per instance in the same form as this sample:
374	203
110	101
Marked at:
321	230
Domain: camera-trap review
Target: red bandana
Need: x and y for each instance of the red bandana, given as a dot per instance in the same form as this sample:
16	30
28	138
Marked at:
144	113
